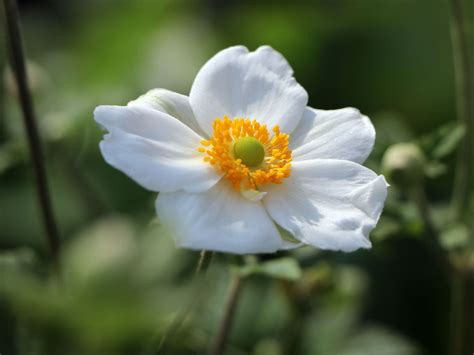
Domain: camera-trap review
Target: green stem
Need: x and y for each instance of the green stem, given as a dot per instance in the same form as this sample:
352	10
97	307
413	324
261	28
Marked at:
202	266
204	261
462	71
462	312
220	341
462	329
3	90
419	197
17	56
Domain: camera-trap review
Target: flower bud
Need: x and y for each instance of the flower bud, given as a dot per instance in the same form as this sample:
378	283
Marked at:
403	165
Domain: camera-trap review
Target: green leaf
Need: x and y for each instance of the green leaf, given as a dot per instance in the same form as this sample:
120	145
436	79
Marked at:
434	169
283	268
455	237
449	141
287	236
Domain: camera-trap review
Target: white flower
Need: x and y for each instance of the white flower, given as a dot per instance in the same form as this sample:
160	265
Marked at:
243	162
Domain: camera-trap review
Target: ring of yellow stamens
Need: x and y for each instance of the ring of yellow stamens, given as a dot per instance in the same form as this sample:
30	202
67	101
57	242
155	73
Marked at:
219	151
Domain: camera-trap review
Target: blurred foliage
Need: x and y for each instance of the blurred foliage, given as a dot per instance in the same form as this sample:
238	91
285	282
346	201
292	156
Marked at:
125	288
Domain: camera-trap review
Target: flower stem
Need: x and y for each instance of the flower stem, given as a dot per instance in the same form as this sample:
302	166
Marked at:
418	196
17	57
462	311
463	278
204	261
464	107
219	343
3	90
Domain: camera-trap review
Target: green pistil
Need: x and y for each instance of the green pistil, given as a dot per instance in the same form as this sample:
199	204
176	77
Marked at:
250	151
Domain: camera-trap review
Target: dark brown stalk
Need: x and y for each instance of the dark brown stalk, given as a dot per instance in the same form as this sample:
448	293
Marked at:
17	59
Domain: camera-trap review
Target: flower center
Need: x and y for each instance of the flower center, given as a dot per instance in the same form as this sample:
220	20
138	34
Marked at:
247	153
250	150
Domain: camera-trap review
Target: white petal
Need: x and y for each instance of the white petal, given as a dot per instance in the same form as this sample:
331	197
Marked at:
331	204
172	103
154	149
219	219
343	134
272	60
257	85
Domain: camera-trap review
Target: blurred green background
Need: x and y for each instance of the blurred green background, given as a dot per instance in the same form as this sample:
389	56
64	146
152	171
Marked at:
127	289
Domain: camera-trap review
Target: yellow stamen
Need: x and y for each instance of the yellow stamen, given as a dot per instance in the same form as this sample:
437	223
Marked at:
219	152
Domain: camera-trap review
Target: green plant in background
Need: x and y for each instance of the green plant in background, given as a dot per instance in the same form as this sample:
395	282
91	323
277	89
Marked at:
124	286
